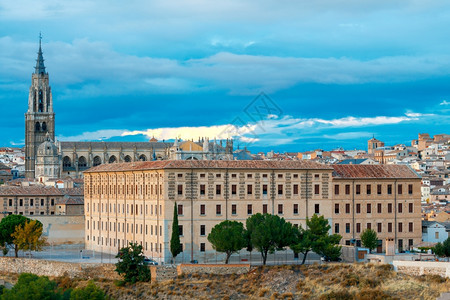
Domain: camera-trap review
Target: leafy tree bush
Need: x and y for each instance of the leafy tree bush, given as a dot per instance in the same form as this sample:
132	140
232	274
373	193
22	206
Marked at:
228	237
369	239
269	232
90	292
175	244
29	236
32	287
442	249
8	226
131	264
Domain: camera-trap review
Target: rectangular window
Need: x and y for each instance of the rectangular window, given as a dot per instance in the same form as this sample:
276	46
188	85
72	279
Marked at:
358	189
400	189
218	189
347	189
411	207
180	230
280	189
295	189
369	189
410	227
389	227
202	230
10	202
336	189
336	228
358	227
295	209
233	209
389	189
42	202
389	208
20	202
233	189
400	227
400	208
31	202
410	189
202	247
180	209
249	189
379	189
218	209
347	227
379	227
358	208
264	189
347	208
249	209
379	208
280	209
369	208
202	209
369	225
336	208
316	208
316	189
264	208
202	189
180	189
249	175
218	175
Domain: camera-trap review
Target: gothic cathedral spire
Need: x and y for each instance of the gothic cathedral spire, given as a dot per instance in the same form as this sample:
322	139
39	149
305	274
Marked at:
40	118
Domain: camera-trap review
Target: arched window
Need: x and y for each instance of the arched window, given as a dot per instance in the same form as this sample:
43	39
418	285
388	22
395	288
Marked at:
112	159
66	162
97	161
127	158
44	126
142	157
37	126
82	163
192	158
41	104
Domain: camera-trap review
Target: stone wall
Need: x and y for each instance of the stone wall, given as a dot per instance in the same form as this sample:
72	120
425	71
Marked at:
56	268
418	268
62	229
218	269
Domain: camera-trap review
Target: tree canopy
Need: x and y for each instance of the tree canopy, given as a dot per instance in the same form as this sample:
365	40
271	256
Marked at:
369	239
442	249
29	236
268	233
131	264
175	244
228	237
8	226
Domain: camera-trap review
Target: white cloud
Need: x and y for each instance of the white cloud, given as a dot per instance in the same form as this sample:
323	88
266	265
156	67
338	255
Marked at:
444	103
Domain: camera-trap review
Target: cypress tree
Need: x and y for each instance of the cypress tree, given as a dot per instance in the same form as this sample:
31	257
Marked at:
175	245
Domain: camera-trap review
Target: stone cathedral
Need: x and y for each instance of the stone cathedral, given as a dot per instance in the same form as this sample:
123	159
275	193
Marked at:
46	158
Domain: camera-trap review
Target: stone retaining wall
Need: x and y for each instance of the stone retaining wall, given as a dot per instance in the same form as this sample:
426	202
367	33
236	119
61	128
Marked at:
56	268
423	267
218	269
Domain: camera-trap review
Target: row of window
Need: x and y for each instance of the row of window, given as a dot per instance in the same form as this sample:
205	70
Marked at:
249	189
379	207
130	227
280	209
132	209
31	202
358	189
379	227
112	242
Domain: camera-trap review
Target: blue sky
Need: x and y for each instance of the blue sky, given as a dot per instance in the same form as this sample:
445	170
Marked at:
318	74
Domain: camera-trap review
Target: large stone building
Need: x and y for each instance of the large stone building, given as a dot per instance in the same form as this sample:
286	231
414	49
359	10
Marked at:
63	158
134	202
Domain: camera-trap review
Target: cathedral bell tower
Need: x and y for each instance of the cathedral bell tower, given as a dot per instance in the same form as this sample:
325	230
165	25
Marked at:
40	118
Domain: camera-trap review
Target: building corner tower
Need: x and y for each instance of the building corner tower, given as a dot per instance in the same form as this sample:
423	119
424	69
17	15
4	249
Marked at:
40	118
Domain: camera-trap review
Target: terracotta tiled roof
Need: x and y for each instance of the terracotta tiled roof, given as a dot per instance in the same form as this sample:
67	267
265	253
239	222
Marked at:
373	171
205	164
38	191
69	200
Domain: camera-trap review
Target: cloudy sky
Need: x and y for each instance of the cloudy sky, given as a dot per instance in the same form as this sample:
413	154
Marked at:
282	75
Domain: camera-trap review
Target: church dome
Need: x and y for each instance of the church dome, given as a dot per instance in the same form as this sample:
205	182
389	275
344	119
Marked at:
47	148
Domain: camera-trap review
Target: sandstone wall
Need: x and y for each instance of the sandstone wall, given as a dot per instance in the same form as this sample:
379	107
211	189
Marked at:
56	268
423	267
218	269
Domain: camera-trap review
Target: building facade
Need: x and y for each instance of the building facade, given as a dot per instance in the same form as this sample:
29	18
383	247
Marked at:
134	202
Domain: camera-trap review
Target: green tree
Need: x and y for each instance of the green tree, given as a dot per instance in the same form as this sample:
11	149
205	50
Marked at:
175	245
369	239
442	249
8	226
316	238
131	264
90	292
228	237
32	287
269	232
29	236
